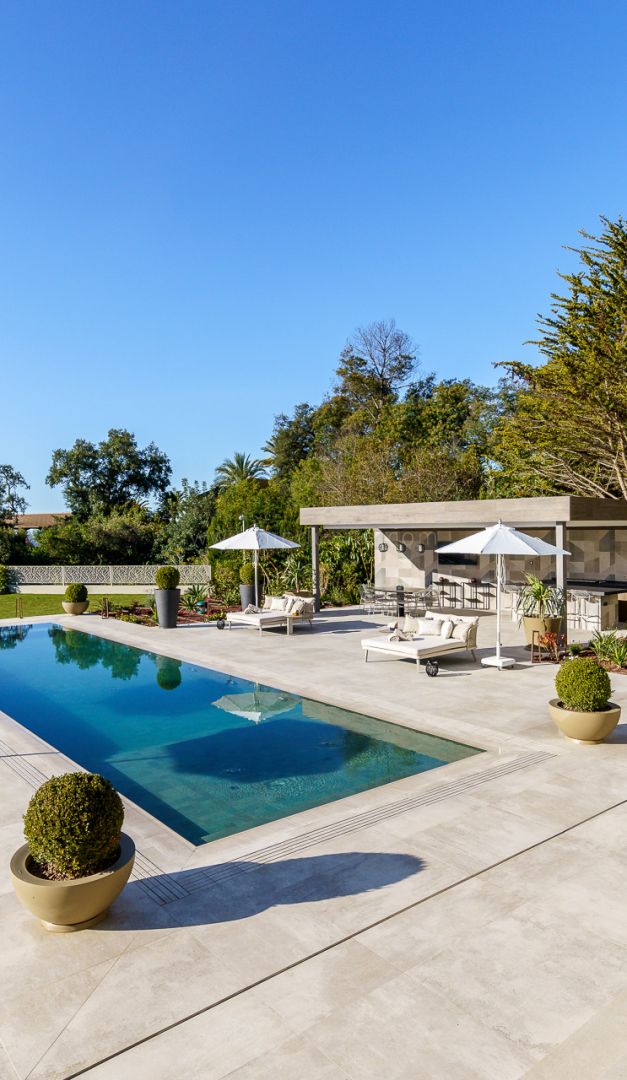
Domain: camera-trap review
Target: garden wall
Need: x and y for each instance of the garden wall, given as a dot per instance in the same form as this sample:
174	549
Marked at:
103	579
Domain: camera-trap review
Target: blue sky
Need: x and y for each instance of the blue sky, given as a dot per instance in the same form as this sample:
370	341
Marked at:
199	202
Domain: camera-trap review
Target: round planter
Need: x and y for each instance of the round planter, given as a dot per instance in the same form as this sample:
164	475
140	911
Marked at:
585	727
246	595
168	603
76	903
75	609
548	624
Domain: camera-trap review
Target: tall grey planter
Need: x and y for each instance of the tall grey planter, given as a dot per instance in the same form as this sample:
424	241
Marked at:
246	595
167	601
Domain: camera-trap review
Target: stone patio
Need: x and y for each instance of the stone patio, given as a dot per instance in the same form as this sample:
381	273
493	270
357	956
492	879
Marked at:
463	923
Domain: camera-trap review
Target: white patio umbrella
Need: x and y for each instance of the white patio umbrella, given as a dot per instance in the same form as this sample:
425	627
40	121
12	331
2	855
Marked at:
500	540
257	705
255	540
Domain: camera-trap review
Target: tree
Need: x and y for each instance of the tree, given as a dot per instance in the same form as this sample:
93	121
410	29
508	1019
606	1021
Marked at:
118	537
291	441
374	366
11	502
239	467
110	475
191	511
568	428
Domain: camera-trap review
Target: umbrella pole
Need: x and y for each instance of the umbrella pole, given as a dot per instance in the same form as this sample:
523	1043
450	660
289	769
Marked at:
499	576
256	557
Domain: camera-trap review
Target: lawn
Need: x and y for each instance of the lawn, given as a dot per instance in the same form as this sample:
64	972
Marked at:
44	604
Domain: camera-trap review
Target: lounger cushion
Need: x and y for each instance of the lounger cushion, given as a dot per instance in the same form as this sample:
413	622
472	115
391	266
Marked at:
278	603
430	628
297	606
447	628
411	624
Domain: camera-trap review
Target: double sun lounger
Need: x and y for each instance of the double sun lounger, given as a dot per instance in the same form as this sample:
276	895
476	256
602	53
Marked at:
427	638
284	610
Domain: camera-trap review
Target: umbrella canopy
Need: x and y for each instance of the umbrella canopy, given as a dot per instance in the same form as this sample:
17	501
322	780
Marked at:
500	540
256	540
257	705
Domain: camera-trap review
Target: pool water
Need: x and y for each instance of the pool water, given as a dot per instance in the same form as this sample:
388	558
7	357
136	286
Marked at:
204	752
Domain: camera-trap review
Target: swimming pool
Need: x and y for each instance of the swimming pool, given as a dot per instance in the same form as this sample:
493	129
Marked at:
206	753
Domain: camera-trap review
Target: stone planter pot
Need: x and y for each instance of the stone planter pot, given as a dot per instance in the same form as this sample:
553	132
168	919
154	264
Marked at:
585	727
246	595
548	624
168	603
74	904
74	609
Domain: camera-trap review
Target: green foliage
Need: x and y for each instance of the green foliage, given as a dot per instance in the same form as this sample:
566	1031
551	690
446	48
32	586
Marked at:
225	583
190	512
4	580
610	647
167	577
239	467
196	594
99	478
247	574
582	685
567	430
121	537
540	600
76	593
374	365
12	502
73	824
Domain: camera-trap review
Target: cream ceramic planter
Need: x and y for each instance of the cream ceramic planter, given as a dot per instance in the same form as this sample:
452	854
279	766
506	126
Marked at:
75	609
585	727
547	624
76	903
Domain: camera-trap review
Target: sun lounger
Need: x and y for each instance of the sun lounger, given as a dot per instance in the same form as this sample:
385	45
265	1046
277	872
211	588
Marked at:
441	639
287	610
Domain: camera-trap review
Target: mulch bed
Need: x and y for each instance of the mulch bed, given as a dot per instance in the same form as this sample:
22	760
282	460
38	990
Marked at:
145	616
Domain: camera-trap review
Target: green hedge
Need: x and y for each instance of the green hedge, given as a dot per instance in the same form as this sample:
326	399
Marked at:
73	823
75	594
582	685
247	574
167	577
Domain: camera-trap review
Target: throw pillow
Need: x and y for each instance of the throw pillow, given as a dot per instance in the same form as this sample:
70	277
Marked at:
461	631
298	606
277	603
410	624
266	603
399	635
430	627
447	628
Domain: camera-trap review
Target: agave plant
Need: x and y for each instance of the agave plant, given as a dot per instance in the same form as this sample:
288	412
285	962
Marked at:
540	600
193	596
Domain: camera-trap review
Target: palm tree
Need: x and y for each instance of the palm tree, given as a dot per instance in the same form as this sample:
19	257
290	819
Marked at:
239	467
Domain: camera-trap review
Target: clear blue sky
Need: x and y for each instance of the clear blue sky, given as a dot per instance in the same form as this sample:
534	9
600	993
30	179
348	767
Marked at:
199	201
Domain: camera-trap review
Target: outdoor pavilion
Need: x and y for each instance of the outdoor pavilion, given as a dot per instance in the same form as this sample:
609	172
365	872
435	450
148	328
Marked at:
407	536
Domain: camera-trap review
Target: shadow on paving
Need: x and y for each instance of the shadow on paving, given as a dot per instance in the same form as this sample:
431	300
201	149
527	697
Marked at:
231	891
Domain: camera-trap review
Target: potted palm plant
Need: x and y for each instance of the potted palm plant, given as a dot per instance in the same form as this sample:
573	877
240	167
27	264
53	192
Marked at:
247	587
167	596
75	600
76	860
583	711
542	607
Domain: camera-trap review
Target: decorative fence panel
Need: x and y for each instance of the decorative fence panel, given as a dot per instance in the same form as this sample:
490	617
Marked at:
191	574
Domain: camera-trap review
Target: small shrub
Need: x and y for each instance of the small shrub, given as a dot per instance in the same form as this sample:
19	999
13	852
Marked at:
247	574
4	580
192	597
575	648
167	577
618	652
149	601
72	824
583	686
75	594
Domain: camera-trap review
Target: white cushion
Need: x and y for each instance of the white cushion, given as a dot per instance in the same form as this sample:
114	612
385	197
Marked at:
267	600
430	627
278	603
298	606
252	609
446	629
411	624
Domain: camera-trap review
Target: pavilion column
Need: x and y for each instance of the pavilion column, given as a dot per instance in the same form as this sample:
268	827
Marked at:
561	569
315	565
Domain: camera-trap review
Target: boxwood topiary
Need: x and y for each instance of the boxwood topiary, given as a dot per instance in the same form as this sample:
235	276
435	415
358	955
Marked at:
75	594
582	685
72	824
247	574
167	577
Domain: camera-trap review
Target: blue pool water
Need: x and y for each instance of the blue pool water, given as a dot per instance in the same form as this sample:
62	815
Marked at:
206	753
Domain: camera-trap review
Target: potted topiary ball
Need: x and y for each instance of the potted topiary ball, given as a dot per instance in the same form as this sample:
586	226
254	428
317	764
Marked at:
247	587
583	711
75	601
167	596
76	860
